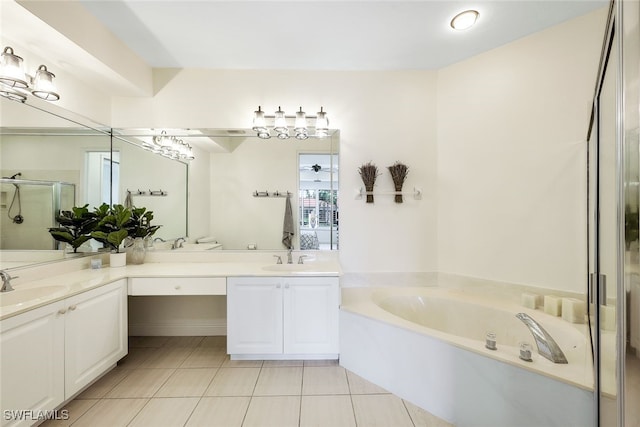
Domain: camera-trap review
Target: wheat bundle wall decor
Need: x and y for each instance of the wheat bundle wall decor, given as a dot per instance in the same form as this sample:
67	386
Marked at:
369	173
398	173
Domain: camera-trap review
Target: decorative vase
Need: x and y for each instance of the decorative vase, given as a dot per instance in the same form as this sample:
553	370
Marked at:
117	259
138	250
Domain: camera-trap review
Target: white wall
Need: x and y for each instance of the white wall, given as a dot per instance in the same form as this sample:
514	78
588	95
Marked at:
512	126
383	117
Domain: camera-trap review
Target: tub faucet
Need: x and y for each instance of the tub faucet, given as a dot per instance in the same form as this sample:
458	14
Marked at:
547	347
6	281
178	243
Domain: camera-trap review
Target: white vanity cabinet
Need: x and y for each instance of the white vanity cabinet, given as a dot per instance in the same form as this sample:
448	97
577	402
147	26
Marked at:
32	361
50	353
282	317
95	334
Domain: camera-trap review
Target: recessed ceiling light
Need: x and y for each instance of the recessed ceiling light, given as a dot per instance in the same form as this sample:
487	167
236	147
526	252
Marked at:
464	20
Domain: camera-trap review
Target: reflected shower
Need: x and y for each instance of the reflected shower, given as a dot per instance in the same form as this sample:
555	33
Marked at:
17	219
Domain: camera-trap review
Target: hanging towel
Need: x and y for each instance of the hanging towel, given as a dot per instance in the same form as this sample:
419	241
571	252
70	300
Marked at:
287	227
128	202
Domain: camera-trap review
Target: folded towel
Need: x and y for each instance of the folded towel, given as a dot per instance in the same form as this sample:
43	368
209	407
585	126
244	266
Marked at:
287	227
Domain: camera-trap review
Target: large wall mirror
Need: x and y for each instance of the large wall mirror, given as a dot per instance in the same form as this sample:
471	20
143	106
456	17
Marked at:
248	183
45	165
51	159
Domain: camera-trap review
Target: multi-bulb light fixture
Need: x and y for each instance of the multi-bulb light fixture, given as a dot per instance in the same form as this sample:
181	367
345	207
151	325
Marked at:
170	147
281	127
15	84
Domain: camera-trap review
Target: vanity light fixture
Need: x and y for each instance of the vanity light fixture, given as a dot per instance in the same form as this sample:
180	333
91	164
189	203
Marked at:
15	83
464	20
170	147
282	129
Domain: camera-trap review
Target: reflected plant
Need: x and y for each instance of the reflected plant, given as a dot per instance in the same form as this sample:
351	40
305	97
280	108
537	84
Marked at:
75	226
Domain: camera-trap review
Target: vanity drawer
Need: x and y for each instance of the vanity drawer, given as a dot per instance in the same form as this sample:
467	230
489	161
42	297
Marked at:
177	286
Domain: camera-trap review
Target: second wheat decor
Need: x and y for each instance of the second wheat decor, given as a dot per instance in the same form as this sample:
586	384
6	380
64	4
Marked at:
398	173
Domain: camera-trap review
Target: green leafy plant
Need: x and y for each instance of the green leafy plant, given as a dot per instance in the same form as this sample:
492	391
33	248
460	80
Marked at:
140	223
111	229
74	226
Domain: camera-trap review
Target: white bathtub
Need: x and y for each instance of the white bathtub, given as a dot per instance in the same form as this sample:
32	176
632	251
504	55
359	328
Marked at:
427	345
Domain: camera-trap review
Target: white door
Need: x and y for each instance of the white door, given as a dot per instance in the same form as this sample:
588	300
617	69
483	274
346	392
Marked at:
311	315
32	363
96	334
254	315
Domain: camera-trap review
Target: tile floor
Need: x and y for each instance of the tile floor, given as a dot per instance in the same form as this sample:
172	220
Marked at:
190	381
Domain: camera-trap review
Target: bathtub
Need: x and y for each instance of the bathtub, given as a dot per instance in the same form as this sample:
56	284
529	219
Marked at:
427	345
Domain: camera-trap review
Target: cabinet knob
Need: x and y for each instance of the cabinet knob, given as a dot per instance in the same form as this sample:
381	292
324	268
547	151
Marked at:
278	286
62	311
72	307
286	286
177	287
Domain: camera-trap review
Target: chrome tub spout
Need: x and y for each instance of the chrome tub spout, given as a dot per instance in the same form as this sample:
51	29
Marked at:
547	347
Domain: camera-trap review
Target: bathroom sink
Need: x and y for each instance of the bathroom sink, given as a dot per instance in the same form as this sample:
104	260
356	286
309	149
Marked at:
21	296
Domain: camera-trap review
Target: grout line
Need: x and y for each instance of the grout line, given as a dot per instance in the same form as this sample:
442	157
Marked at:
404	404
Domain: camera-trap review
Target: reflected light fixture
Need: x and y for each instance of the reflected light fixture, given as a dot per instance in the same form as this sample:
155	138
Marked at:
464	20
170	147
15	83
281	124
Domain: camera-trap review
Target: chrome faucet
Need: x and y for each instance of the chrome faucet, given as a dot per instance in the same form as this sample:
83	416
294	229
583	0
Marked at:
6	281
178	243
547	347
159	239
289	256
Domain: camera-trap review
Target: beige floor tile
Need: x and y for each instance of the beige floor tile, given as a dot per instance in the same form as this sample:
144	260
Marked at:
279	382
187	383
167	357
228	363
136	357
273	411
137	342
233	382
214	341
111	413
281	363
183	341
380	410
327	411
165	412
205	357
74	410
358	385
101	387
324	380
321	362
140	383
219	412
422	418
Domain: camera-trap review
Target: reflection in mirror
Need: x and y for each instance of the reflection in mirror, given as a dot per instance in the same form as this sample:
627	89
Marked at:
318	201
145	179
42	162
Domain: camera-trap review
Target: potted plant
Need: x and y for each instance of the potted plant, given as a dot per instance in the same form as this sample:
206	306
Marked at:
140	231
111	231
74	226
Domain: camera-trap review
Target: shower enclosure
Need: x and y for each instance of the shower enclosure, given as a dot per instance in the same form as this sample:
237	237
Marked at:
28	209
613	211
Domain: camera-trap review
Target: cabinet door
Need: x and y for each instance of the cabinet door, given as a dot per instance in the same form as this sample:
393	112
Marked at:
32	362
96	334
311	315
254	315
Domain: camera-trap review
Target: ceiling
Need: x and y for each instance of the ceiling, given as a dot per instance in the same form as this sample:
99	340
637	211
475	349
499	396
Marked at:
322	35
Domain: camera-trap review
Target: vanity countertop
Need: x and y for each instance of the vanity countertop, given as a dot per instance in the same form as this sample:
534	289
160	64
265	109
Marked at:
36	293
